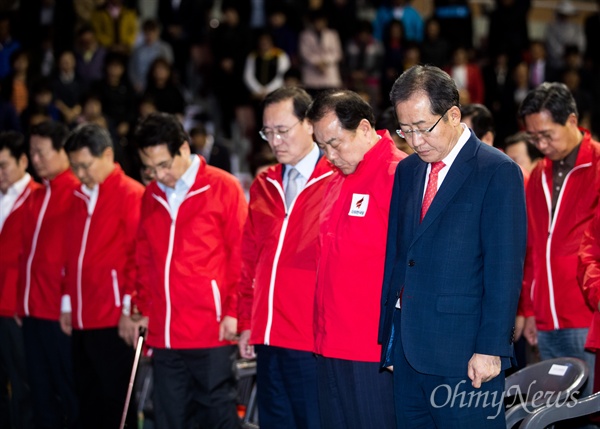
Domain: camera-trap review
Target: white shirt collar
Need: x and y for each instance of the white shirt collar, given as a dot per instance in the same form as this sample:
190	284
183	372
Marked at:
186	181
19	186
306	165
462	140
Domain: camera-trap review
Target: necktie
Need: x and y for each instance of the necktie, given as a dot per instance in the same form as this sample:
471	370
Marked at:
292	187
431	187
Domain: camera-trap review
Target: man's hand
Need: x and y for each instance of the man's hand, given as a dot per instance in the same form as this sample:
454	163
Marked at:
519	326
483	368
228	329
65	323
129	328
530	331
246	349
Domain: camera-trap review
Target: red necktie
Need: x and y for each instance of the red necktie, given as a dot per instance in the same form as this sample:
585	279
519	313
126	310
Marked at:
431	187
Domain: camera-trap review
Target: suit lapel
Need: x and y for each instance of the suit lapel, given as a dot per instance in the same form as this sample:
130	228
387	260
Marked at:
459	171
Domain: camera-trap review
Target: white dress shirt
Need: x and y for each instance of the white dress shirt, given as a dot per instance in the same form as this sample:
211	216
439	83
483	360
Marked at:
8	200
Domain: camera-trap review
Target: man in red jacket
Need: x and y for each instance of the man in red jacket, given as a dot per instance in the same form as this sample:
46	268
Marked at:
562	196
279	265
103	221
353	393
16	186
41	275
188	259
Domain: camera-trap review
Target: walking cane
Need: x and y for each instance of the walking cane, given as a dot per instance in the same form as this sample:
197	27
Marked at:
136	360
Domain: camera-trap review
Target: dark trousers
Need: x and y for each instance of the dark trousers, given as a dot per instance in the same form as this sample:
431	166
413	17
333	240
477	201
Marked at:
195	388
430	401
354	395
50	370
16	409
102	364
286	387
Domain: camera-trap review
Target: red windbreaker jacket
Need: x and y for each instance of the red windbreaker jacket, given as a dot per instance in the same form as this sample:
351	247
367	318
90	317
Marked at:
550	291
101	250
42	262
279	260
189	266
589	278
11	243
353	236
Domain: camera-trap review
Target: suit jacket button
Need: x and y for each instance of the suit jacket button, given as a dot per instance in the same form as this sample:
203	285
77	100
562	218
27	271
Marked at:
411	263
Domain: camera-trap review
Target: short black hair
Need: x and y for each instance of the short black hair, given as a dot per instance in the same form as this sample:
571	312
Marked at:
299	96
481	118
349	107
14	141
161	128
553	97
93	136
55	131
432	81
198	129
522	136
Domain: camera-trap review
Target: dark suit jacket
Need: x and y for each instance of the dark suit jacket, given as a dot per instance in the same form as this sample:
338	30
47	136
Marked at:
461	268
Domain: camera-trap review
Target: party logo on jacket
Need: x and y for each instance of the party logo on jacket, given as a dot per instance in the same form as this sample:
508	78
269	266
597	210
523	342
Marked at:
359	205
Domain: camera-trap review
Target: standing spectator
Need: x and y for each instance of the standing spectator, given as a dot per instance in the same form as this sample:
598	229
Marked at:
89	56
183	23
364	58
280	258
41	102
67	88
103	220
394	47
116	94
320	55
467	76
454	262
41	277
144	55
400	10
435	50
561	33
16	86
214	152
562	198
9	45
16	186
265	68
508	31
352	238
456	21
188	259
162	88
284	36
115	26
539	71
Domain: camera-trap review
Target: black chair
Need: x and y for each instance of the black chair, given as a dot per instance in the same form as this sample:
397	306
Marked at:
558	411
542	383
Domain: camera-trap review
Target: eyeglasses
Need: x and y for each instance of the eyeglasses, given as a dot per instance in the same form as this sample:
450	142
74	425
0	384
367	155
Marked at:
538	138
278	133
84	167
162	166
423	133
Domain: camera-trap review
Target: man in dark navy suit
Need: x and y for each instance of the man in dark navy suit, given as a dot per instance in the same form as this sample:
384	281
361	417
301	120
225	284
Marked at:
454	263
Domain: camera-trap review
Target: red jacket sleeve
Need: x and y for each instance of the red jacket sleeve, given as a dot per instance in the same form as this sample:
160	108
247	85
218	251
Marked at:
131	216
143	259
588	272
233	228
246	284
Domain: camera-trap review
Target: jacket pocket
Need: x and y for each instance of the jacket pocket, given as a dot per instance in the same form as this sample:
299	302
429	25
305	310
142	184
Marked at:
115	284
217	298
